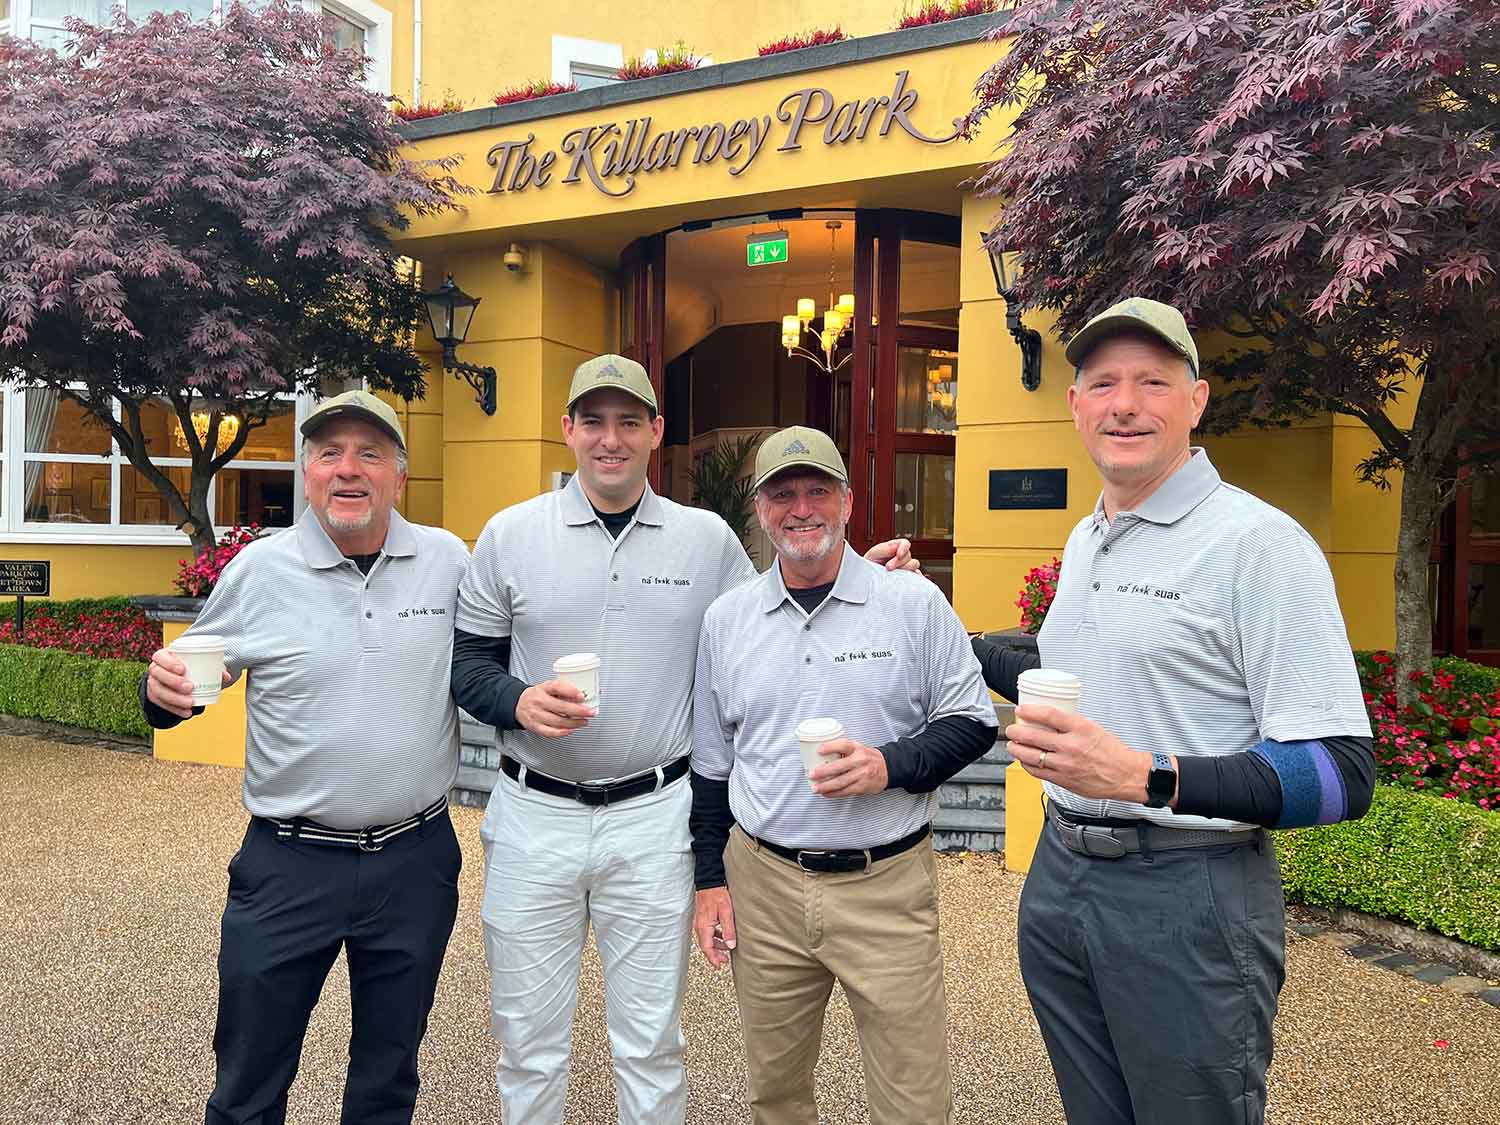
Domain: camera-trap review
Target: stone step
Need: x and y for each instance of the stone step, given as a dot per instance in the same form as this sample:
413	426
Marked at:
475	779
969	820
981	773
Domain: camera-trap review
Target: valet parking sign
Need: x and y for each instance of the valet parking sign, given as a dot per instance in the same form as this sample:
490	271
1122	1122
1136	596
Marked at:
612	156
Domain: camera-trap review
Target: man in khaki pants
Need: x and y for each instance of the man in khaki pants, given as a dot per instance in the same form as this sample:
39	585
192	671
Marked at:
829	876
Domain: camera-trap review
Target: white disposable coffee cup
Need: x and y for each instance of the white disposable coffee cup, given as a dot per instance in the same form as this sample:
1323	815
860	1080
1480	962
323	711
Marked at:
203	653
581	669
1048	687
811	734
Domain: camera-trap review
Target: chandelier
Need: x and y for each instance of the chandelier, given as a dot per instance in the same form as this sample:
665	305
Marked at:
229	426
838	318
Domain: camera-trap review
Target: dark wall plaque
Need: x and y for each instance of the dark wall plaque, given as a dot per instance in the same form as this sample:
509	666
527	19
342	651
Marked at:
1028	488
25	579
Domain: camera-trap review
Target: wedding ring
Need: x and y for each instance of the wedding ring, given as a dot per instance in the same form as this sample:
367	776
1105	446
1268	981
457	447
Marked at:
1041	762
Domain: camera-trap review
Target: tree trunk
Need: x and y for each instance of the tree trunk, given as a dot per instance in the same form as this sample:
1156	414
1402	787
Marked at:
201	529
1420	511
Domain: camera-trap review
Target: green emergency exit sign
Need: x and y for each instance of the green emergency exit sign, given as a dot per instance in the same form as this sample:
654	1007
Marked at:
766	249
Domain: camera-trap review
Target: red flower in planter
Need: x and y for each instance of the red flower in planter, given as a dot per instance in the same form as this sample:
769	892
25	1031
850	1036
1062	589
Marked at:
197	577
806	39
541	88
1037	593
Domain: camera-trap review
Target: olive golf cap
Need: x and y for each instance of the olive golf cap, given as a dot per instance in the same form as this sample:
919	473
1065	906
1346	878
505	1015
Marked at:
612	372
361	405
798	447
1135	314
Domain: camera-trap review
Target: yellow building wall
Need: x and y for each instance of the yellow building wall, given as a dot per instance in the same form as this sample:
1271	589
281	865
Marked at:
475	49
103	570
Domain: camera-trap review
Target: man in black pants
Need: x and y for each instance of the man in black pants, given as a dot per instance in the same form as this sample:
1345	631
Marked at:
344	626
1219	698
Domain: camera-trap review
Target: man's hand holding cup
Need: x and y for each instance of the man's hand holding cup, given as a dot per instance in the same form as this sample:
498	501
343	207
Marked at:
174	687
553	709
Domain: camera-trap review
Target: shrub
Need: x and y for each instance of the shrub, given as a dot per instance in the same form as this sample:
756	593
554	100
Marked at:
64	687
1037	592
199	575
449	104
1413	856
1446	742
1468	676
806	39
541	88
669	60
111	634
941	13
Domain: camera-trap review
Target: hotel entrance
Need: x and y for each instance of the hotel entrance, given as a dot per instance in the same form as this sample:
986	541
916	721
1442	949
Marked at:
846	320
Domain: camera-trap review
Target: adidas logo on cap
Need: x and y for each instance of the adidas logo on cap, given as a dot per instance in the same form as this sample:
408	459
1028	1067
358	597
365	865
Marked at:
795	447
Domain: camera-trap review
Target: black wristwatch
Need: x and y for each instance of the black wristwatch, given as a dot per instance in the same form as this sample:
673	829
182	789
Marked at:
1161	782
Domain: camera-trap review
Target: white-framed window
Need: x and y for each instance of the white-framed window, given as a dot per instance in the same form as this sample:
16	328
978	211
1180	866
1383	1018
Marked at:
5	17
62	474
360	25
46	16
588	62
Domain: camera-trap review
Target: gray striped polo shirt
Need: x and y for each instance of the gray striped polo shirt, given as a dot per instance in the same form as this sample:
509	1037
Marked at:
349	720
884	654
548	575
1202	622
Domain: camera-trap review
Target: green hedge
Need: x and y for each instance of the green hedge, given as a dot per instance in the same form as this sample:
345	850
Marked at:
64	610
64	687
1413	856
1468	676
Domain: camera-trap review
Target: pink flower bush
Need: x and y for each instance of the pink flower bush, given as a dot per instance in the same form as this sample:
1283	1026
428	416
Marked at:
110	634
198	576
1037	593
1447	742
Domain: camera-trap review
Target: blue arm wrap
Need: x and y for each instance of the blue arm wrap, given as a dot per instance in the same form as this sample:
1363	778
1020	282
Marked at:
1312	787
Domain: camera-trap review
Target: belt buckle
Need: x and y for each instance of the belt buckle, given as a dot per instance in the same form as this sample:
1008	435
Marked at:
592	794
367	841
813	852
1088	835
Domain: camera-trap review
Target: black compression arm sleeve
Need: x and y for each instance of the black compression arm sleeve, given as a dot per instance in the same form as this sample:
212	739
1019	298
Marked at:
482	685
709	822
1244	786
921	763
159	718
1001	666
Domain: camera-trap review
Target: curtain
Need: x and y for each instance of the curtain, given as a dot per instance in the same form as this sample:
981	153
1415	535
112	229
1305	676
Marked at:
41	415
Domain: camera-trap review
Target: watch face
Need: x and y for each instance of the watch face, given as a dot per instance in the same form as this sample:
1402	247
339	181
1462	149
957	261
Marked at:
1161	782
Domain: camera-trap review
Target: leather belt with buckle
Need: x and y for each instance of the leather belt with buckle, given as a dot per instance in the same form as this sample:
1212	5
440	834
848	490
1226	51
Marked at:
1114	839
596	793
829	861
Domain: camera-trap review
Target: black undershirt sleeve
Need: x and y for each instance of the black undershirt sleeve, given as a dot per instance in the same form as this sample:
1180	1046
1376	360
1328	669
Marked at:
481	681
159	718
709	821
1244	787
922	762
1001	666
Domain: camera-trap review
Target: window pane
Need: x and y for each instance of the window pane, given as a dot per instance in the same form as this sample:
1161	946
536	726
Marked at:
343	33
276	440
587	77
197	9
58	425
627	310
924	496
4	9
271	442
246	496
929	284
67	492
1484	606
926	391
1484	507
941	573
141	503
95	11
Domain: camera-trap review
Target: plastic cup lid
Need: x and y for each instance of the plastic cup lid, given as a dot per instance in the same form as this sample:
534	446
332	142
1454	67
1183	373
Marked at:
576	662
198	642
819	730
1049	681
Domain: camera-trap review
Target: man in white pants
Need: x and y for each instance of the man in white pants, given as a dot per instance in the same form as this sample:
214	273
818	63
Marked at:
588	822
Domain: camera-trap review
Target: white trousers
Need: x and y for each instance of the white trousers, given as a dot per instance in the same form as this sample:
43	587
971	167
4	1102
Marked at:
552	866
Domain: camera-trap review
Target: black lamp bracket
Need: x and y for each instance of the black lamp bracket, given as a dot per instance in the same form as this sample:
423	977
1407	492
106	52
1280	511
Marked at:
482	380
1029	340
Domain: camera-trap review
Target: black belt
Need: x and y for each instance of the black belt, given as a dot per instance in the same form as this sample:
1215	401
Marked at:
599	793
365	839
832	860
1111	839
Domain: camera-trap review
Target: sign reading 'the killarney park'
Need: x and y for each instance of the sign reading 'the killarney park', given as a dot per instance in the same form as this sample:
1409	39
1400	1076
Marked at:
612	155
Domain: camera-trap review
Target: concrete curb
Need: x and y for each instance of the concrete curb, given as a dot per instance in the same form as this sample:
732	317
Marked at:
73	736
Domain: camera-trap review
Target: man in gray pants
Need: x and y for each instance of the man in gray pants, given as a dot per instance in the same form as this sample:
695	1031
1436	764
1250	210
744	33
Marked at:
1219	698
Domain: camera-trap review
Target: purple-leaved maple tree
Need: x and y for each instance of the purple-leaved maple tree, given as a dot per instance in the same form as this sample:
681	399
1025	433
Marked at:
198	214
1319	180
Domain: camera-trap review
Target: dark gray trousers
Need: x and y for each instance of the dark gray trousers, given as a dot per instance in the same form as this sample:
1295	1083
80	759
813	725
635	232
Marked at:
1155	980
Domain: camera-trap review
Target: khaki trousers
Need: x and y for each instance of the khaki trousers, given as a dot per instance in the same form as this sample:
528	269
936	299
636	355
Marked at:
874	932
